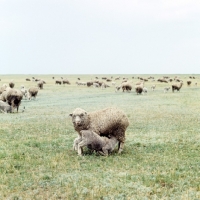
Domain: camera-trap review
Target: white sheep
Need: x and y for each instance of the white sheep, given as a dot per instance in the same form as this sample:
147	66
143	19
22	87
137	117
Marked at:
153	87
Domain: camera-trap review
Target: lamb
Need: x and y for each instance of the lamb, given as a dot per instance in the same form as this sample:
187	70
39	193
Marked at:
144	90
24	91
166	89
33	91
110	121
40	84
93	141
13	97
103	86
153	87
177	87
5	107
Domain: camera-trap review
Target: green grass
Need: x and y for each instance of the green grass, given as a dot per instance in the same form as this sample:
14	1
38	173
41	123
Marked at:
161	158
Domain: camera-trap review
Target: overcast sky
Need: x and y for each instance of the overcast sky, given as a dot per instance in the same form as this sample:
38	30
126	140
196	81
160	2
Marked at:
99	36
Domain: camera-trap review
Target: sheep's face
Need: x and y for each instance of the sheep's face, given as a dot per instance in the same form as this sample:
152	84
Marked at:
79	118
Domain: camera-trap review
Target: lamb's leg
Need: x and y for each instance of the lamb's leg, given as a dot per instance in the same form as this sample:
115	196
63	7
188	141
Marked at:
102	153
105	151
76	142
80	146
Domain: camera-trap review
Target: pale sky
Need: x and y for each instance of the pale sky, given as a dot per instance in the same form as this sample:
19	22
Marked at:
99	37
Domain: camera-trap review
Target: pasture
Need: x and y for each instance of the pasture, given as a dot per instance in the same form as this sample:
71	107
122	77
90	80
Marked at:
161	158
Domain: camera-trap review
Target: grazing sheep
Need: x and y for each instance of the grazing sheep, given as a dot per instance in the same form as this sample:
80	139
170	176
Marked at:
33	91
65	81
153	87
177	87
89	83
126	86
103	85
189	83
108	80
28	79
117	78
11	84
40	84
79	79
53	77
93	141
104	78
166	89
5	107
139	89
97	77
58	82
13	97
3	88
109	121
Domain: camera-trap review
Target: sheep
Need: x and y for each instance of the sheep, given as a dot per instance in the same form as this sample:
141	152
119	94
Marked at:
110	121
65	81
117	78
196	84
95	85
189	83
126	86
28	79
24	91
144	90
153	87
11	84
93	141
117	88
5	107
108	80
53	77
40	84
3	88
104	78
89	83
139	89
177	87
58	82
80	83
33	91
103	86
13	97
166	89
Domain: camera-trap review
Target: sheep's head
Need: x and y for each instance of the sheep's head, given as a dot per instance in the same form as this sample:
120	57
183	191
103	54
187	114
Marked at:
79	118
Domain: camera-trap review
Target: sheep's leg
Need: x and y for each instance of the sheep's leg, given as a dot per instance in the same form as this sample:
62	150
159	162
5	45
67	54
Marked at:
102	153
76	142
80	146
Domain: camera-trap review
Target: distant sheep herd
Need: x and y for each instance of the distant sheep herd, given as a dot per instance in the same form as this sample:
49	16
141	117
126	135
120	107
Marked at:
99	131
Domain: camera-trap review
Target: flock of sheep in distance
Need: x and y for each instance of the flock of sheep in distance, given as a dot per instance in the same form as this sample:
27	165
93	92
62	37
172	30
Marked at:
101	130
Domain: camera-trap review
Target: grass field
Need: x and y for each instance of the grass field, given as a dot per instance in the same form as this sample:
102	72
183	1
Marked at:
161	158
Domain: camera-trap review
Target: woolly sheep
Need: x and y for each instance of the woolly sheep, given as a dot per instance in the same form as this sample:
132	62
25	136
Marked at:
126	86
58	82
177	87
65	81
13	97
40	84
33	91
144	90
93	141
110	121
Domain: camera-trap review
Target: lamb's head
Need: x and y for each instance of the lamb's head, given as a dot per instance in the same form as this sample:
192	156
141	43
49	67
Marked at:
79	119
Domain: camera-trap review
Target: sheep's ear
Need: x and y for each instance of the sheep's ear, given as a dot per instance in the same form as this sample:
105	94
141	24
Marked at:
70	114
